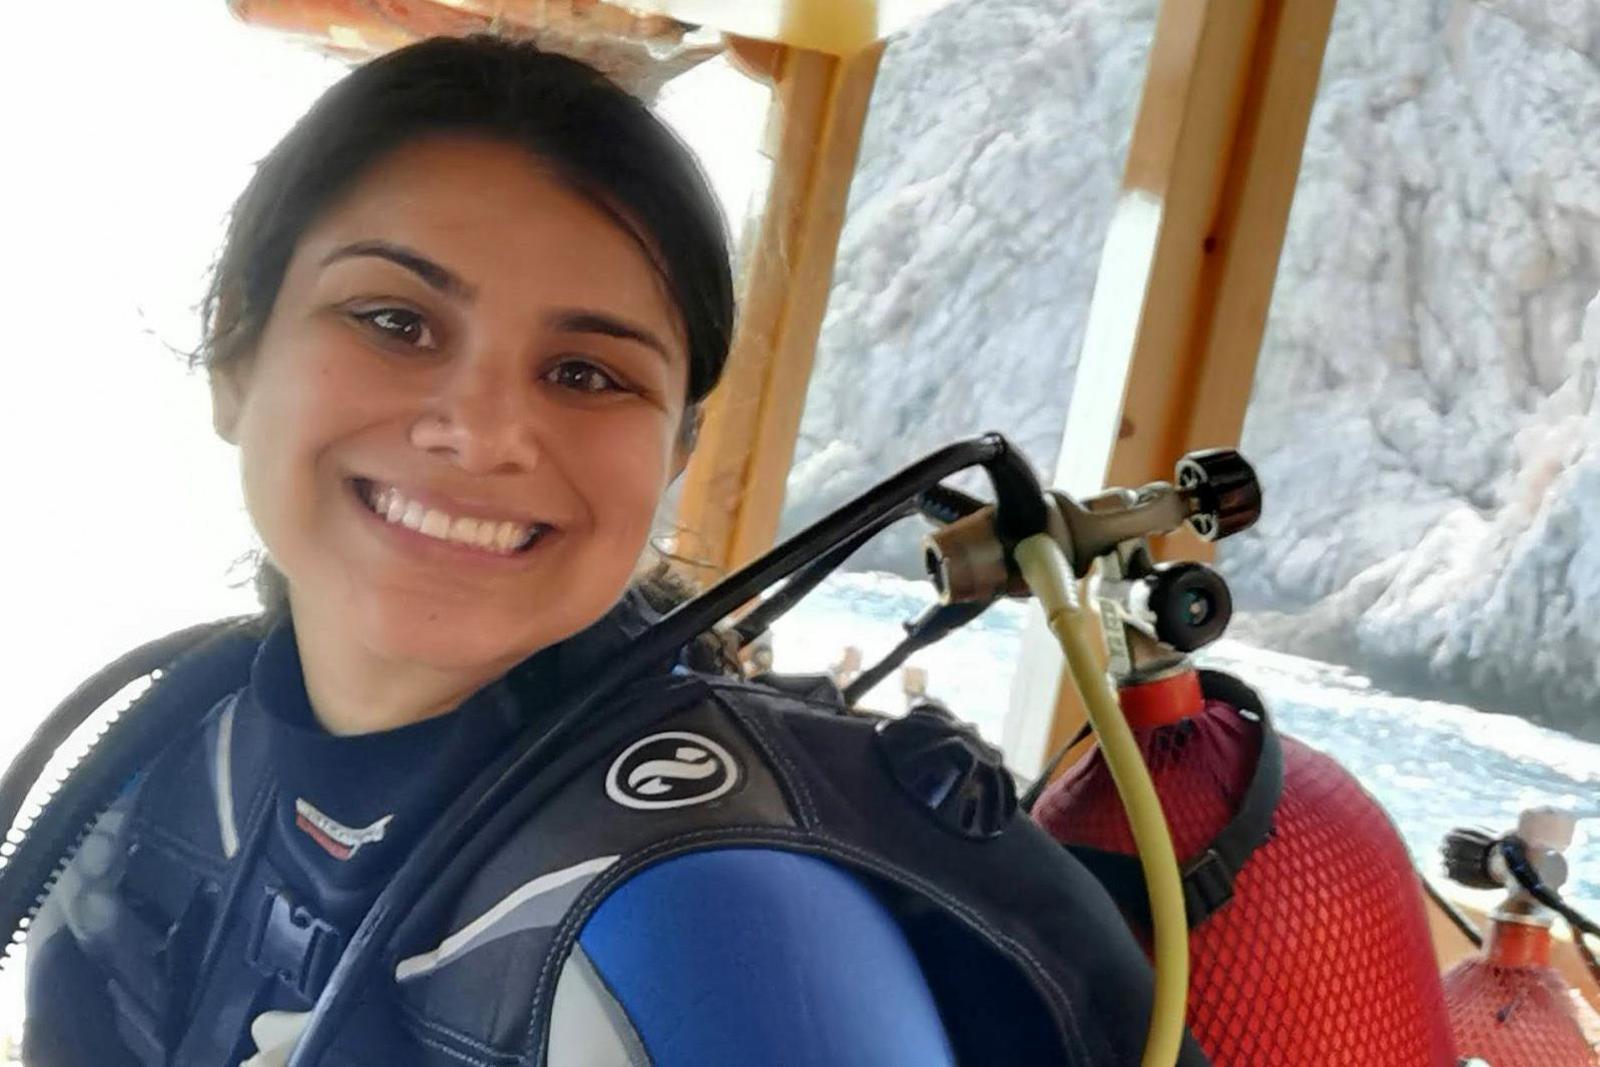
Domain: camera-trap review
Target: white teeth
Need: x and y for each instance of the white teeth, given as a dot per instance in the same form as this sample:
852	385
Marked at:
502	537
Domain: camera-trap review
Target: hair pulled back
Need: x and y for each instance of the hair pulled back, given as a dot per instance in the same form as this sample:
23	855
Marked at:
597	139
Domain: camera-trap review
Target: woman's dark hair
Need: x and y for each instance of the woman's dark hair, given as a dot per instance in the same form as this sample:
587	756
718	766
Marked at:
603	143
600	141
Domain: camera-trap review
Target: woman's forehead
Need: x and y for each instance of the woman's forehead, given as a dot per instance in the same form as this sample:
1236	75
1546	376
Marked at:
499	220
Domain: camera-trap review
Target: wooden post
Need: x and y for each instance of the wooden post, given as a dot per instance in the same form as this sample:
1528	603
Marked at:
733	490
1186	274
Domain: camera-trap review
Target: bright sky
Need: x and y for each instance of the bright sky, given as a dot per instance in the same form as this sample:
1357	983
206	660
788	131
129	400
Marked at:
128	129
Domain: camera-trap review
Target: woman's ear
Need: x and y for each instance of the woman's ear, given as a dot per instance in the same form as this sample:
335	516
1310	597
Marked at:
688	435
227	401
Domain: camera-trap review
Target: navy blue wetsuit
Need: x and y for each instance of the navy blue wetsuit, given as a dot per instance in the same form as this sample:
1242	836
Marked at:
722	957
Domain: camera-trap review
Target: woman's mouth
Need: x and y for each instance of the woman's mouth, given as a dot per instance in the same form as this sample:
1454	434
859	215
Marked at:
502	537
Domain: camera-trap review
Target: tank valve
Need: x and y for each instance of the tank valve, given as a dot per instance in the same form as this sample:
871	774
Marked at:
1476	859
1216	494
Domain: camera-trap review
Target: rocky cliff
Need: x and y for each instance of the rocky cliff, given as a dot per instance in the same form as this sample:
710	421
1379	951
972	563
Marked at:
1424	419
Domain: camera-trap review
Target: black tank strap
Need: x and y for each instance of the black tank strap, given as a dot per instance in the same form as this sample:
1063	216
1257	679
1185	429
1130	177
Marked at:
1208	877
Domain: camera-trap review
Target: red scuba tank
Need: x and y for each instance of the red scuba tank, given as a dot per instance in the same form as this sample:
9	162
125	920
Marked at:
1316	950
1507	1005
1510	1008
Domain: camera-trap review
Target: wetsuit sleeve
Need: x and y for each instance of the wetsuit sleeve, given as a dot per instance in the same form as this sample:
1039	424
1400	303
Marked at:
745	956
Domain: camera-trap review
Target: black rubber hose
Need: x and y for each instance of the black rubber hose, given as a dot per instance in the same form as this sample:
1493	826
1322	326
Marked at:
1516	857
28	764
770	610
933	626
1031	796
494	794
222	651
1527	876
940	504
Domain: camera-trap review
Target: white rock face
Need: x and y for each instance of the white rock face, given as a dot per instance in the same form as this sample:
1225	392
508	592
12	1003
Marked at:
1425	420
990	160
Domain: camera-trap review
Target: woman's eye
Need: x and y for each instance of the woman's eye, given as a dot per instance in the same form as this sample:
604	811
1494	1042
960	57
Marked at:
399	324
583	377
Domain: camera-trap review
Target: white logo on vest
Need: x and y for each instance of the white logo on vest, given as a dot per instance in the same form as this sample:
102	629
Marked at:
337	840
671	770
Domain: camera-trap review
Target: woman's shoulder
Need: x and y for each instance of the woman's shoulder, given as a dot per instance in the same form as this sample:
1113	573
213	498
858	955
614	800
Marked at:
770	953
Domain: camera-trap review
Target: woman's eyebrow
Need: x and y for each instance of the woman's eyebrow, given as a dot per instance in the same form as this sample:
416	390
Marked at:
440	277
582	320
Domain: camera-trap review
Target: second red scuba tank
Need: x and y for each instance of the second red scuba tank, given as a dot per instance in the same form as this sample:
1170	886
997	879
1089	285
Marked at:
1309	941
1508	1006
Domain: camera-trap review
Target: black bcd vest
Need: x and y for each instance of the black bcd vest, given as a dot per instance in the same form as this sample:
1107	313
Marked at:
1028	959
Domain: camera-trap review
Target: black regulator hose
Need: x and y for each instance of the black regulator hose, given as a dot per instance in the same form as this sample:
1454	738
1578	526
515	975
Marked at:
28	764
219	651
1592	965
498	797
934	625
1522	869
770	610
939	503
1527	875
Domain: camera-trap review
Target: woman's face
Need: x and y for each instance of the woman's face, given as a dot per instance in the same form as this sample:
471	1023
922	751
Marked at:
463	411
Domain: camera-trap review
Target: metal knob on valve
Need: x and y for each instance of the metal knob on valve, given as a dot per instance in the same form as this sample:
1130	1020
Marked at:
1224	490
1465	852
1189	605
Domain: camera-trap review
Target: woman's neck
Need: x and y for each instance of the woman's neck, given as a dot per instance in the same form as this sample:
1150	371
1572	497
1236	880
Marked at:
353	690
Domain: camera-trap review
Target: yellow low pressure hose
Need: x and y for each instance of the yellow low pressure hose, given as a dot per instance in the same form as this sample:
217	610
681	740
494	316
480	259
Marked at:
1046	572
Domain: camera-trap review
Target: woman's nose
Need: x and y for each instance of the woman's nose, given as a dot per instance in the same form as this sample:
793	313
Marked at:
479	421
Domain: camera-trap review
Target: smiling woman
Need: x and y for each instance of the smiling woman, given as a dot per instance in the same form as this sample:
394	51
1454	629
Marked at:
464	318
466	342
484	308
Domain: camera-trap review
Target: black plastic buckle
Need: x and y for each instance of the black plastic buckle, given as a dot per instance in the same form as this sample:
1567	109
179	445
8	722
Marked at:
1207	886
293	945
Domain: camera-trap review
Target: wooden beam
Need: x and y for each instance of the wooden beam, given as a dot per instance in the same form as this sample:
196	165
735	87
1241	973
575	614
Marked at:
1192	373
839	27
1187	270
733	490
